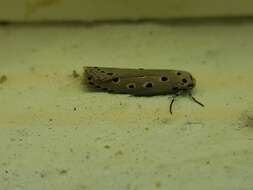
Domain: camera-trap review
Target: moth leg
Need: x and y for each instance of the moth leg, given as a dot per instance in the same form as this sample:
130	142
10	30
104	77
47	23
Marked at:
171	103
198	102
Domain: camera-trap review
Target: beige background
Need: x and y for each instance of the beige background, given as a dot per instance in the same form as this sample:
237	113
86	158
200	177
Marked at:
54	134
90	10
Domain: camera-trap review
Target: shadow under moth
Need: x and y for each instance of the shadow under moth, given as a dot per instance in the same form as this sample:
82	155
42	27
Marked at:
141	82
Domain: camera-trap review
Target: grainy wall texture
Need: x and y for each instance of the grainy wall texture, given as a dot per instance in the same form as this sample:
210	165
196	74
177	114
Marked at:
97	10
54	134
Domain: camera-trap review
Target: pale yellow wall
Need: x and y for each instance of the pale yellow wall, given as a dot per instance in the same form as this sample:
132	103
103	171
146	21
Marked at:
56	135
87	10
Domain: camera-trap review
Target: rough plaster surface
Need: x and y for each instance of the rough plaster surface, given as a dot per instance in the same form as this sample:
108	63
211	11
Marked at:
54	134
90	10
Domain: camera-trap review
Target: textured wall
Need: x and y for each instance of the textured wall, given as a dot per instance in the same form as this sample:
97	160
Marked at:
87	10
54	134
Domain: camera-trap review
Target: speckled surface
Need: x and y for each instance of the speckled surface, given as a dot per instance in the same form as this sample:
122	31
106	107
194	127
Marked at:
54	134
97	10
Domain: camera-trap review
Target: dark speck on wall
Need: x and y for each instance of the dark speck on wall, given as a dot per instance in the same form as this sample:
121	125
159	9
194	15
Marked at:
246	120
3	79
151	32
158	184
75	74
42	175
63	171
87	156
107	146
119	153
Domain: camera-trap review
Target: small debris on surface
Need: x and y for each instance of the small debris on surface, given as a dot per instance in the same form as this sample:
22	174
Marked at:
158	184
75	74
246	119
107	146
119	153
3	79
63	171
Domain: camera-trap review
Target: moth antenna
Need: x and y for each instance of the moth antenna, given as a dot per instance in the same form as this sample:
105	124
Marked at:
198	102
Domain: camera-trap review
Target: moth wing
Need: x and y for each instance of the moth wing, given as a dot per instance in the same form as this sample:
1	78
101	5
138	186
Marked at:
104	74
97	75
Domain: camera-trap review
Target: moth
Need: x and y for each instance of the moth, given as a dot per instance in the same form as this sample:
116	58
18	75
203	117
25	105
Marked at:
141	82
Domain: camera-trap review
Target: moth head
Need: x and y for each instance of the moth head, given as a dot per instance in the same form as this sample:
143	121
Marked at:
184	81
